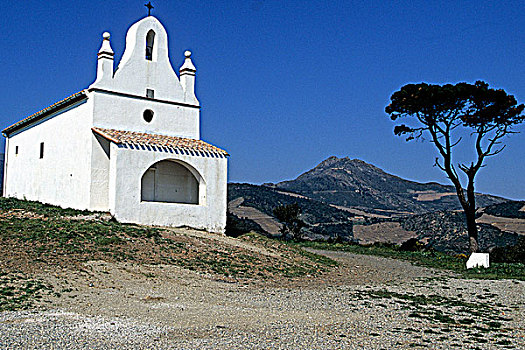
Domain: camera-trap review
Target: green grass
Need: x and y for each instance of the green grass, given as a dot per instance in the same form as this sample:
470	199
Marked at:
429	259
69	235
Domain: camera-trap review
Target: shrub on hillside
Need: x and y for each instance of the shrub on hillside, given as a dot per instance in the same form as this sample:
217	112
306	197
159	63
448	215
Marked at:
510	254
511	209
447	232
412	245
334	233
288	215
236	226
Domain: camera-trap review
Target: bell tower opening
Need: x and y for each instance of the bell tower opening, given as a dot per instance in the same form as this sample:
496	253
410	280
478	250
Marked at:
150	40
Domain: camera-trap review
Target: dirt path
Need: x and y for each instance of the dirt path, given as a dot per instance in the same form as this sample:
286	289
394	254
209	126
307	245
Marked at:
367	302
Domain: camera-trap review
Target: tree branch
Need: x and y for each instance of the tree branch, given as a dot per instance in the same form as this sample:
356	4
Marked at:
436	163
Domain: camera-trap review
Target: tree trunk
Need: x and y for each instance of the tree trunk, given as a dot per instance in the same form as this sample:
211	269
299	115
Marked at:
472	229
470	211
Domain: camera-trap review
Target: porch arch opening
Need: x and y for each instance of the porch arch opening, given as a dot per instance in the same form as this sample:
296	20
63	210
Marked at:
171	181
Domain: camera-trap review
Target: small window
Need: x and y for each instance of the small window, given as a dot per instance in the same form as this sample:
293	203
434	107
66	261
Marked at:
41	150
148	115
150	93
16	150
150	38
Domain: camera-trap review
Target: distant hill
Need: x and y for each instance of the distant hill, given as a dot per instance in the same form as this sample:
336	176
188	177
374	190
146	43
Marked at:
511	209
353	200
353	183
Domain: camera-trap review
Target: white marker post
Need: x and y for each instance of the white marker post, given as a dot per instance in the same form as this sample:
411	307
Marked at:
478	260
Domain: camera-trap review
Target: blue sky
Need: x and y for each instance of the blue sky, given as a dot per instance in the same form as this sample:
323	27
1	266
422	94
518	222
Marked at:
285	84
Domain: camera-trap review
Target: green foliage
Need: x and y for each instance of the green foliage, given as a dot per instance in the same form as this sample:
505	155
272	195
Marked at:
18	291
471	105
71	234
46	232
412	245
47	210
475	320
339	232
288	215
236	263
29	241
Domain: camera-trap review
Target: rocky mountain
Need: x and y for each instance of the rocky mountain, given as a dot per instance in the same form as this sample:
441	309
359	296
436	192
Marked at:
353	183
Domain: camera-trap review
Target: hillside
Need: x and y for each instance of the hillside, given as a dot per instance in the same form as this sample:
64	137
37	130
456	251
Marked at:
354	183
447	232
350	198
257	203
34	236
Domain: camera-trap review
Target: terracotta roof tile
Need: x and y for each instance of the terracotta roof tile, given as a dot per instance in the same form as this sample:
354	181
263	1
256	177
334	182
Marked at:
42	113
144	139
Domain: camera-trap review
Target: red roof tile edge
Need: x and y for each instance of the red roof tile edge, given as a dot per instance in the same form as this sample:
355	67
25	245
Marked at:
55	106
139	138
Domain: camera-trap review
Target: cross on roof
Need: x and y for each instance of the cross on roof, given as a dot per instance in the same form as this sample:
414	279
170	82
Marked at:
149	6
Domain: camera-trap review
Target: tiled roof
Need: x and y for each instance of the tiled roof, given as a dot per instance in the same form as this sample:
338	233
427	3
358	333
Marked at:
78	96
144	139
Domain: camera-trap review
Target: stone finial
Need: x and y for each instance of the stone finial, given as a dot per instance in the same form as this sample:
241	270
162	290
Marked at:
187	78
187	67
105	62
106	49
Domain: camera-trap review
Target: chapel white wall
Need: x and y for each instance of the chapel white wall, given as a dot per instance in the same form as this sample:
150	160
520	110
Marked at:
99	187
126	113
125	190
62	176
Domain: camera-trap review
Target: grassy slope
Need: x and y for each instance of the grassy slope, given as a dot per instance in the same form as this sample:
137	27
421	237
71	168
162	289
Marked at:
35	237
39	234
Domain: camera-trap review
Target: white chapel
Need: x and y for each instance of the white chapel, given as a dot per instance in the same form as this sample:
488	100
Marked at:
129	144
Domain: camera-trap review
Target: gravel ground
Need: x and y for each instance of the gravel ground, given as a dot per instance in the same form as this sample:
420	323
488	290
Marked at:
366	303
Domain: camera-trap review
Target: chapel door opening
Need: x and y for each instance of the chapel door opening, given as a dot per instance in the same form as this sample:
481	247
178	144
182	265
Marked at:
169	182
